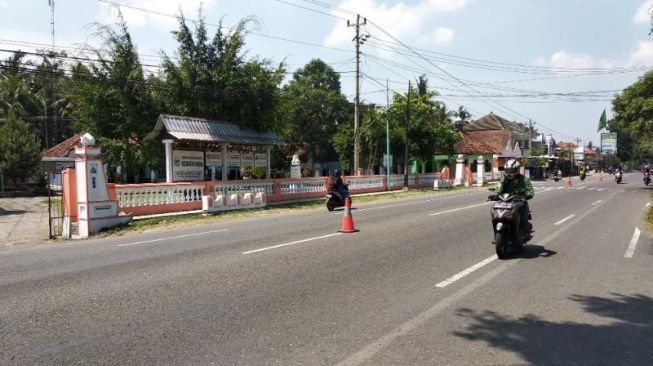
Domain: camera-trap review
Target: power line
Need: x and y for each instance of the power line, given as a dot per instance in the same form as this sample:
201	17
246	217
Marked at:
452	76
217	25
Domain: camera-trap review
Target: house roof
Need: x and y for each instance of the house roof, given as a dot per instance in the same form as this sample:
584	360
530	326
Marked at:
565	146
493	141
492	121
64	148
589	151
200	129
474	143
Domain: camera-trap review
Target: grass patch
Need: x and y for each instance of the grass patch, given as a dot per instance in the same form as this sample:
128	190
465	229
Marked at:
196	219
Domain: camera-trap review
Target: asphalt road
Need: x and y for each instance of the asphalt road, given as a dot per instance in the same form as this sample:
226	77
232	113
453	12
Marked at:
419	284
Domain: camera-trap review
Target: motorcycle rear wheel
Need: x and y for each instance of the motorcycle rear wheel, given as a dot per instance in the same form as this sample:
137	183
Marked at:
501	245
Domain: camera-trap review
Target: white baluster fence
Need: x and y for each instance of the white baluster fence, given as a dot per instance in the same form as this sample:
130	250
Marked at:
147	199
365	183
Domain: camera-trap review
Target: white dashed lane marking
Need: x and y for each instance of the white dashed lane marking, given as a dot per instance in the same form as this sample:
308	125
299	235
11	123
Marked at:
633	244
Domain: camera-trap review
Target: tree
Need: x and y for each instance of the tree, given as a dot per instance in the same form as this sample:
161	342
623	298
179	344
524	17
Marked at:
19	150
48	87
113	102
211	79
14	89
314	111
430	127
633	120
464	118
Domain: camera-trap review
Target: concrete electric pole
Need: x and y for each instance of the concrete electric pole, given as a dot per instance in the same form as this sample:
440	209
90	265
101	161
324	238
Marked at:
406	124
359	40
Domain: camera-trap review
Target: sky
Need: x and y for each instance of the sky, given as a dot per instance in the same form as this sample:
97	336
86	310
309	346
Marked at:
555	62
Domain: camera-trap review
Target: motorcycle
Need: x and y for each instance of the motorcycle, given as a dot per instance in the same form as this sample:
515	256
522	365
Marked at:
335	199
582	176
505	220
647	179
617	177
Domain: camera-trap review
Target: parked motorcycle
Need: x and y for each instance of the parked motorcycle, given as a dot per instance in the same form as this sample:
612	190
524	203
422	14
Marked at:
647	178
505	220
337	199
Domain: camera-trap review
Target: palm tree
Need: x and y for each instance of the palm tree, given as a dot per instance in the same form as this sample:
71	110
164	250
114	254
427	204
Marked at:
464	118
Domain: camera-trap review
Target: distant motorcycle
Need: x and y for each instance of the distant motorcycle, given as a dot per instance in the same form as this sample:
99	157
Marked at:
617	177
582	176
505	220
335	199
647	178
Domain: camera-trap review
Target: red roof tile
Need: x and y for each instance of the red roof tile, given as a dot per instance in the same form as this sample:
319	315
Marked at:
64	148
482	142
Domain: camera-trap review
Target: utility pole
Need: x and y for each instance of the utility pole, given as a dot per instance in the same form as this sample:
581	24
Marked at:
45	95
406	123
530	134
577	146
359	40
388	164
51	5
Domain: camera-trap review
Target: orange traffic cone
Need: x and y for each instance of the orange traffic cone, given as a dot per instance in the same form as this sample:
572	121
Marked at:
568	183
347	220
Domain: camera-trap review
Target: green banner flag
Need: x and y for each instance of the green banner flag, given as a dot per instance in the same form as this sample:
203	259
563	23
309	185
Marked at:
602	121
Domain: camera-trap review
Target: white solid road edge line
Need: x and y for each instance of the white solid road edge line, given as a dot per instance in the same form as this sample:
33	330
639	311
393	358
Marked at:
465	272
291	243
596	203
563	220
170	238
633	244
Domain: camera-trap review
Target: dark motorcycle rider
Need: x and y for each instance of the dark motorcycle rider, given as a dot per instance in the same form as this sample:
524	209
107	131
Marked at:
513	182
647	174
336	185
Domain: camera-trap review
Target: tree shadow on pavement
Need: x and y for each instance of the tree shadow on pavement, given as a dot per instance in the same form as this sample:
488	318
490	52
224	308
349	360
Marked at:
625	340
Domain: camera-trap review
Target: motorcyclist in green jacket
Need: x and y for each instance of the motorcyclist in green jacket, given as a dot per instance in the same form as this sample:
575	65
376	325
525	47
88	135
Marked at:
514	182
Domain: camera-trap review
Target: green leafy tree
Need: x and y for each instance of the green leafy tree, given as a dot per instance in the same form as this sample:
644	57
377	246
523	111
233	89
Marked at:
314	111
463	118
633	120
210	78
112	101
14	88
429	129
51	107
19	150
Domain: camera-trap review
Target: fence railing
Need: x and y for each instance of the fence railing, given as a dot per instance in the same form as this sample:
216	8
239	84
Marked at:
146	199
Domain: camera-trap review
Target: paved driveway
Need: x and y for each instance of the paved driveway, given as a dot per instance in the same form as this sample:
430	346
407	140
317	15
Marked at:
23	219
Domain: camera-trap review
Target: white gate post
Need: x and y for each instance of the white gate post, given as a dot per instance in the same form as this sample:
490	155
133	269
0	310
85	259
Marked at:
460	171
480	171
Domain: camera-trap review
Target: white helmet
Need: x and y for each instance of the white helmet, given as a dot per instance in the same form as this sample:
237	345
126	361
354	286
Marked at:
511	169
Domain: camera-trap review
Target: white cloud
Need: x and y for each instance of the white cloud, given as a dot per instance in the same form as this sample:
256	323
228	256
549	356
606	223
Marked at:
401	20
564	59
4	4
447	5
640	55
643	14
443	35
141	19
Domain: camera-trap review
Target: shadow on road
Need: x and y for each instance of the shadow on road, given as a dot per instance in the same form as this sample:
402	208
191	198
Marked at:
625	341
11	212
532	251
